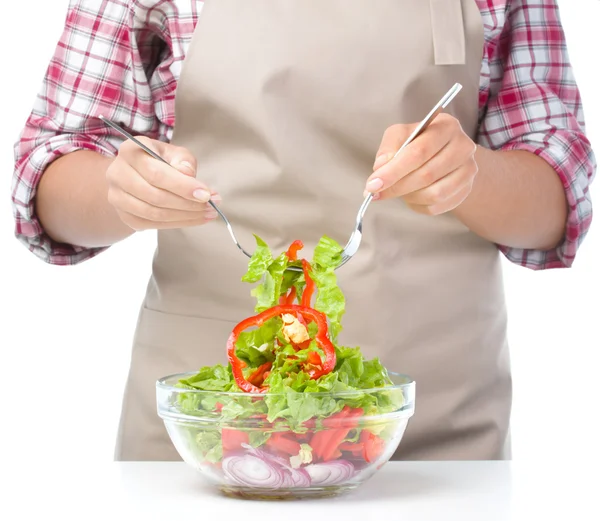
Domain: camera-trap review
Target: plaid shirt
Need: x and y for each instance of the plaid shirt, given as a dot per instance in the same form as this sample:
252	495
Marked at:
123	58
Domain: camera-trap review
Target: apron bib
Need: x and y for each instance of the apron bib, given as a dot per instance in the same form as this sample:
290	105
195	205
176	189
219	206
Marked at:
284	105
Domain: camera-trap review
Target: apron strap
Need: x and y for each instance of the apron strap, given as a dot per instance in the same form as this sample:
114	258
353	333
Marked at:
448	32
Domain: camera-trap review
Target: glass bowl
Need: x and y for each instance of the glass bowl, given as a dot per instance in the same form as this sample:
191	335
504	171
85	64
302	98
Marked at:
287	445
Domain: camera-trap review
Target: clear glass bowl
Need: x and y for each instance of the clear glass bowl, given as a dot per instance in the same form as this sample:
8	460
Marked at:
228	437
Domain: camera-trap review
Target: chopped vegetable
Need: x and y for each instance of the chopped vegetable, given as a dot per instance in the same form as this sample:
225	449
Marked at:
331	473
373	446
292	253
293	330
233	439
280	442
321	339
303	457
310	284
310	425
251	471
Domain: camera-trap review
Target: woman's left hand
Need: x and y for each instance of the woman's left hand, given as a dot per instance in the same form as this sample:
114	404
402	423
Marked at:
434	174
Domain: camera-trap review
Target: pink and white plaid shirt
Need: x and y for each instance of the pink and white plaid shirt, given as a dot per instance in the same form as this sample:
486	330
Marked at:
123	58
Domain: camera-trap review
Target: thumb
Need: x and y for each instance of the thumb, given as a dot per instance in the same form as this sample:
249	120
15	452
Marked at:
393	138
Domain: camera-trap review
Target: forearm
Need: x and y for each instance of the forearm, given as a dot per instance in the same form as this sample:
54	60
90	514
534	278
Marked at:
72	203
517	201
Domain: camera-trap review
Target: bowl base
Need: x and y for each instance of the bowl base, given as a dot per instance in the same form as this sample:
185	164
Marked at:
285	494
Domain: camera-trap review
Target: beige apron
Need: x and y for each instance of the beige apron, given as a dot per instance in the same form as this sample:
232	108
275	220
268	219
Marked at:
284	105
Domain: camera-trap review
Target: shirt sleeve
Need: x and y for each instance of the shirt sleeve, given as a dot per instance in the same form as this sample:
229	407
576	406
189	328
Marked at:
101	66
535	105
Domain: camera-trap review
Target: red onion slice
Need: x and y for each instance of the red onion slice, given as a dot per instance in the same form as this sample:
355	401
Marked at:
251	471
300	478
292	478
330	472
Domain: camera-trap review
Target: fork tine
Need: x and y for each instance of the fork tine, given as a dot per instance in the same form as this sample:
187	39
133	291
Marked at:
356	237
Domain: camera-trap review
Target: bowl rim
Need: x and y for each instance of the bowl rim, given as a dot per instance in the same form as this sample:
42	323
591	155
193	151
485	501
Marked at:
407	384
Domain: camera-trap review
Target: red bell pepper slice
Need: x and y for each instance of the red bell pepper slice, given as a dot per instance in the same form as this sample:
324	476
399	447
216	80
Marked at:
258	377
326	444
233	439
289	298
314	358
310	284
356	449
373	446
292	253
338	433
278	441
309	314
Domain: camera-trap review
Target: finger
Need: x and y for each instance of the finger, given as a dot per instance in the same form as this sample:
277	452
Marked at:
416	154
178	157
181	159
443	189
178	178
134	184
127	203
445	206
442	164
392	140
138	223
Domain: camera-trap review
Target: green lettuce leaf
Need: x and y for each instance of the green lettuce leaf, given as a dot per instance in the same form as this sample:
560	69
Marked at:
212	378
255	347
328	254
292	397
258	438
259	262
209	445
330	299
267	294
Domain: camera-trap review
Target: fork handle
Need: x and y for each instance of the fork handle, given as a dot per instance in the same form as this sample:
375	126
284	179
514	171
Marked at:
149	151
435	111
421	127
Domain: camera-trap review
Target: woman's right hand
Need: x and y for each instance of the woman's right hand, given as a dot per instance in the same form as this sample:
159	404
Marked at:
148	194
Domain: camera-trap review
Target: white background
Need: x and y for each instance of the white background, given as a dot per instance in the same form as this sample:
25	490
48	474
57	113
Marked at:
65	333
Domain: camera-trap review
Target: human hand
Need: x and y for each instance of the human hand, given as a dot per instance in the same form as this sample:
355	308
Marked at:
148	194
434	174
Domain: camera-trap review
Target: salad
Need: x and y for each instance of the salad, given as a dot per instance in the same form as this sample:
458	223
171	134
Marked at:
294	408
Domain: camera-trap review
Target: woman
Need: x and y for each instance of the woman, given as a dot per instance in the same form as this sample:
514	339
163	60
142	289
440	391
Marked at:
285	113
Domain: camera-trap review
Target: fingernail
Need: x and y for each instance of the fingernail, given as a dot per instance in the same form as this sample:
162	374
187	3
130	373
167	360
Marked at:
374	184
201	195
382	160
216	199
210	215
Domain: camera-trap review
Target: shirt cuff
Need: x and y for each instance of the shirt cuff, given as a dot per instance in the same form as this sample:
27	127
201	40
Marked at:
28	229
574	163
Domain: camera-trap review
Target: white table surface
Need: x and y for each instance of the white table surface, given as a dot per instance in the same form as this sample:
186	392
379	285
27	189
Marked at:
419	491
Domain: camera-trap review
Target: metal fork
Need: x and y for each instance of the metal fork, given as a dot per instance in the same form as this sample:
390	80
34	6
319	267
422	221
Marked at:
354	242
127	135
